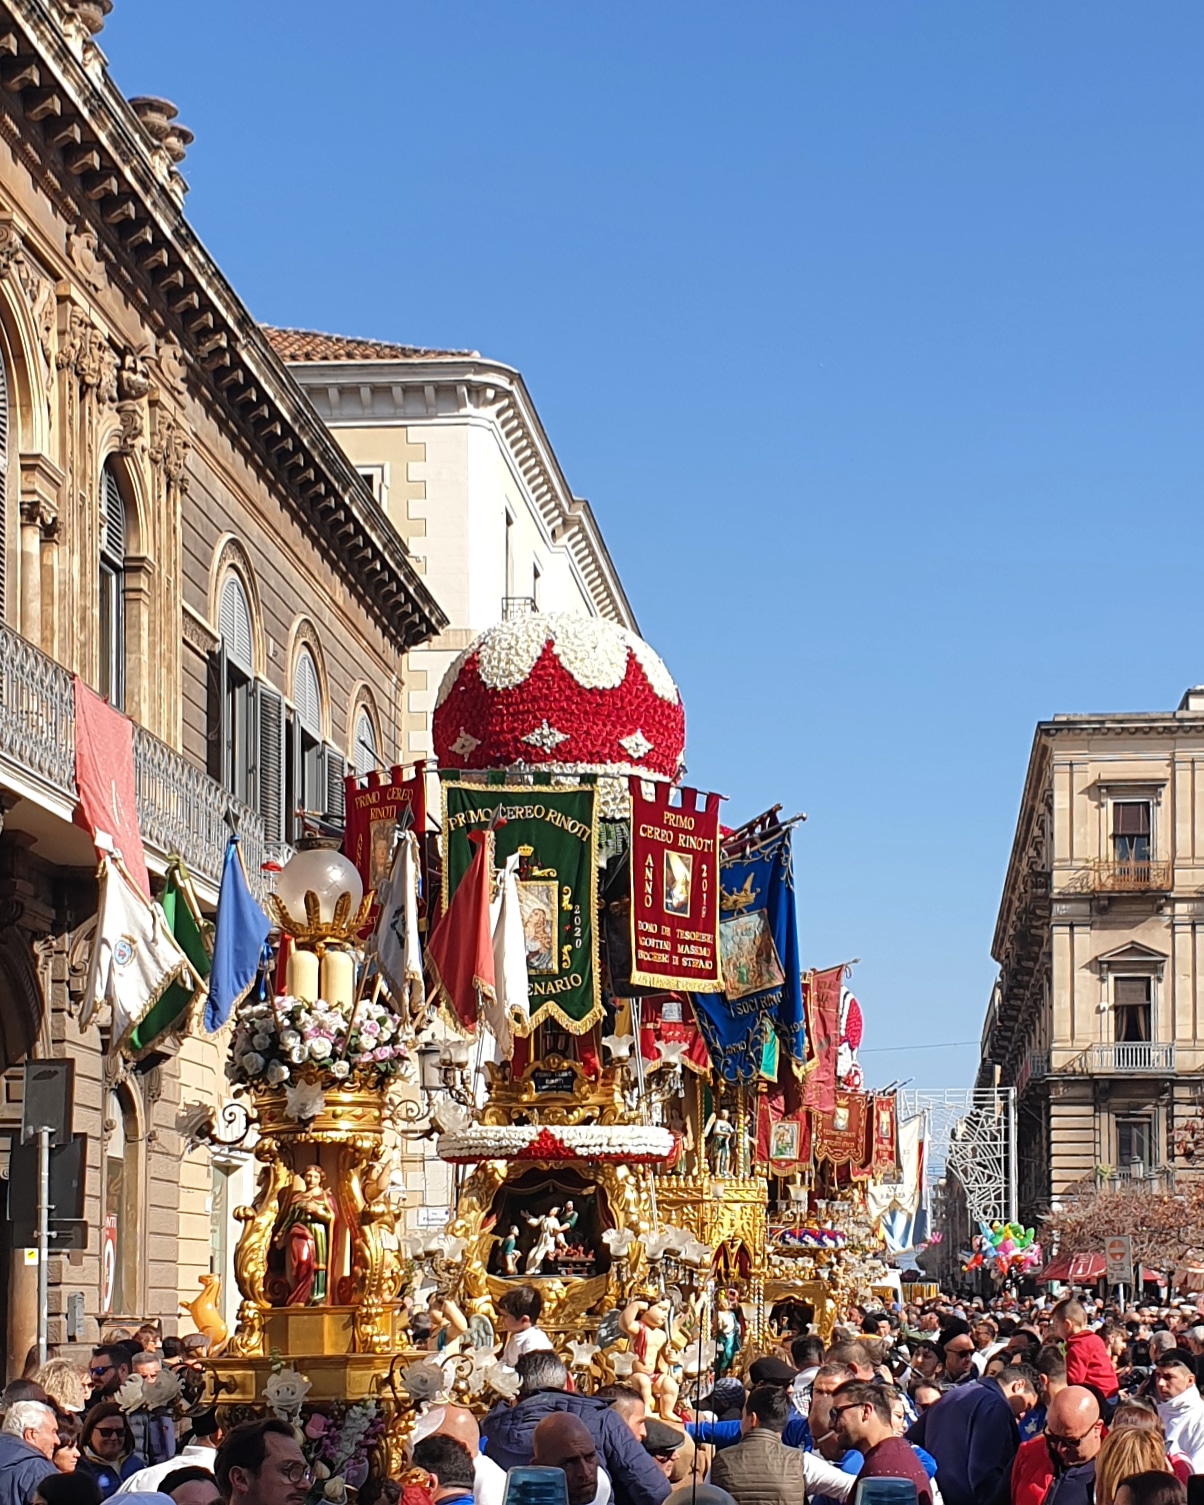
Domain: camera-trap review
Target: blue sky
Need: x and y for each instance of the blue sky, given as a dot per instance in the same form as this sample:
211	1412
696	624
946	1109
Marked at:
871	331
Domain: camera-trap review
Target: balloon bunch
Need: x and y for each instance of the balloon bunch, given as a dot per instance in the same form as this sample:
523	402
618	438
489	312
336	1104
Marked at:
1004	1249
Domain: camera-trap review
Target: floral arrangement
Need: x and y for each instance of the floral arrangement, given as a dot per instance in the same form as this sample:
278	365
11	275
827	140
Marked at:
283	1041
565	692
616	1142
336	1443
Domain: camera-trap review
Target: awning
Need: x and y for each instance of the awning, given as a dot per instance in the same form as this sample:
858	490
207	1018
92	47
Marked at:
1086	1269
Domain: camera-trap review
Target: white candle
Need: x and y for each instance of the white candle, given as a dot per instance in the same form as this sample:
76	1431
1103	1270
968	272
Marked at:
301	976
338	978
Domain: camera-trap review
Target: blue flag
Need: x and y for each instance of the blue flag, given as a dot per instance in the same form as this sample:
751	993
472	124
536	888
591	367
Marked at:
758	941
240	930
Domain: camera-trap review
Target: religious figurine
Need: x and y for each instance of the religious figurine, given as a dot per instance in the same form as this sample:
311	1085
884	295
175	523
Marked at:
719	1135
645	1325
448	1324
507	1253
550	1229
304	1235
567	1223
727	1333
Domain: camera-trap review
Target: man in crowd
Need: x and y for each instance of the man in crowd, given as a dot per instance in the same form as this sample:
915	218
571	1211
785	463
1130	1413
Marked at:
186	1486
448	1470
509	1431
628	1405
762	1470
153	1429
261	1463
199	1452
458	1422
808	1355
662	1443
861	1416
971	1432
109	1370
28	1438
563	1441
957	1347
1180	1407
1051	1373
1060	1465
985	1336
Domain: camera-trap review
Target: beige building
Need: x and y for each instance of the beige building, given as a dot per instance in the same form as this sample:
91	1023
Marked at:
177	530
456	454
1096	1016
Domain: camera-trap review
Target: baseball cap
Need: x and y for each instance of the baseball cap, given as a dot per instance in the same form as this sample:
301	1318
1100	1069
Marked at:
771	1371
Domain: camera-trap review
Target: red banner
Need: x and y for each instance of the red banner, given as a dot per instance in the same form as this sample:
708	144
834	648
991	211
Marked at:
104	779
674	890
840	1136
884	1145
672	1020
783	1137
373	806
821	1004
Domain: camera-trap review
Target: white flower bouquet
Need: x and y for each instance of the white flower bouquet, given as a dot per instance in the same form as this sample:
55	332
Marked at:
282	1041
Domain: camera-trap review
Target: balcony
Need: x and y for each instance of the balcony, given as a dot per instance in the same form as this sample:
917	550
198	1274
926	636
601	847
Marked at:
1136	1178
1131	1057
1104	876
180	810
1034	1068
514	608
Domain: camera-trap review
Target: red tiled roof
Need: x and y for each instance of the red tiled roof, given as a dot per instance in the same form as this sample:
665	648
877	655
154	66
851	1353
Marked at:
311	345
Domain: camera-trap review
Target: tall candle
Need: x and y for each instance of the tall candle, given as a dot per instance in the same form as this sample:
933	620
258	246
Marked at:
301	975
338	978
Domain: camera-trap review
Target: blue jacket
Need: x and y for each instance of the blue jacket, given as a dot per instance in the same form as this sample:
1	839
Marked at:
723	1433
972	1434
506	1435
22	1469
109	1477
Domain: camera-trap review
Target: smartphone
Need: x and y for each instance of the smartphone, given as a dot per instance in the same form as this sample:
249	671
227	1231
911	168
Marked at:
886	1491
543	1486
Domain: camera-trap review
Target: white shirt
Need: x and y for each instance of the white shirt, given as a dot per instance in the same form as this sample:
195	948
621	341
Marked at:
526	1340
489	1481
147	1480
823	1478
1183	1423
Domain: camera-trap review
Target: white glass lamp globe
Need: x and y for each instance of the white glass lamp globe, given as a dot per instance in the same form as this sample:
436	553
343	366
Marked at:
326	874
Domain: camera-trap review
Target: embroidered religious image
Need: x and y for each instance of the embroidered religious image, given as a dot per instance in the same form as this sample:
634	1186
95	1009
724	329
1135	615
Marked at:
783	1140
679	882
537	905
381	836
750	958
840	1118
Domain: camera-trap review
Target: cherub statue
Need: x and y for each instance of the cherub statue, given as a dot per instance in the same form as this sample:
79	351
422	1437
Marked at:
645	1324
507	1253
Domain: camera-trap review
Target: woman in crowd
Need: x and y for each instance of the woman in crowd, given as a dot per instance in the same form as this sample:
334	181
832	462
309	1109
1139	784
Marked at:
63	1382
66	1455
1152	1488
107	1448
1125	1452
1139	1412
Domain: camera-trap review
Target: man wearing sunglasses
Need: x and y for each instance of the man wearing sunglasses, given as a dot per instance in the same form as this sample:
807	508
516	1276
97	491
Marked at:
107	1373
1060	1465
861	1417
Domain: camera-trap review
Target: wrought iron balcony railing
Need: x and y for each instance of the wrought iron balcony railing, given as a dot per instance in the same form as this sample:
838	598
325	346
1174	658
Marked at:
1131	1056
1034	1068
1136	1178
1106	876
516	607
180	809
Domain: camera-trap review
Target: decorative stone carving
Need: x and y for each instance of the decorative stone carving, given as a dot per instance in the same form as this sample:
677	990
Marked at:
132	426
169	361
83	251
158	119
170	450
133	378
11	248
91	12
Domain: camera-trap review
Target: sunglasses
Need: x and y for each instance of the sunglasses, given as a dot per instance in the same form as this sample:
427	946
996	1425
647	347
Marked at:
856	1405
109	1432
99	1374
1069	1442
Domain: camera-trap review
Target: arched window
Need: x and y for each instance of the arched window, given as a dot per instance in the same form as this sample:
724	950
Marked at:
232	711
364	754
120	1243
112	589
306	754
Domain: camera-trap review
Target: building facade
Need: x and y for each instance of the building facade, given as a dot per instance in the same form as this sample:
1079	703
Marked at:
180	532
1096	1015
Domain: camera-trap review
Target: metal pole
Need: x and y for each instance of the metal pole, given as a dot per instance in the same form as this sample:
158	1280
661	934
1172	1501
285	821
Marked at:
43	1240
1013	1170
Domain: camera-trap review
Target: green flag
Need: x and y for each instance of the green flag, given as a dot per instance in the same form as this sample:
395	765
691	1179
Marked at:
188	928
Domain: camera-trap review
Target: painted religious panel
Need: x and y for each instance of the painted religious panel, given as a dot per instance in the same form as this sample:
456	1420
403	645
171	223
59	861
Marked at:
674	889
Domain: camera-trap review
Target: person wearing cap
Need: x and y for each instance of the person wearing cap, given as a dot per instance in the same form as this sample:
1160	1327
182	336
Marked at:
661	1443
762	1470
1180	1407
769	1371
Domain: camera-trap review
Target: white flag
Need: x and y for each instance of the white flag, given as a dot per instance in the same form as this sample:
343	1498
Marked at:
135	958
509	961
398	950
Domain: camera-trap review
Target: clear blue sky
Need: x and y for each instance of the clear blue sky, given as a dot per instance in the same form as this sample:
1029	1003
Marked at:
871	331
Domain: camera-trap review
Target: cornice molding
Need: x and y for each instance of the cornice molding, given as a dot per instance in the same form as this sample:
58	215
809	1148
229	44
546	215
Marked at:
458	389
83	135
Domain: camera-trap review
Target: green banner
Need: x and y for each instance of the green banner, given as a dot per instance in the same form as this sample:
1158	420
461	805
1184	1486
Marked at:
554	831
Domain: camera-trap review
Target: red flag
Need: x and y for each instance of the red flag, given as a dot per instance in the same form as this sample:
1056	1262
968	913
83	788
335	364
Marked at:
104	777
823	1034
460	949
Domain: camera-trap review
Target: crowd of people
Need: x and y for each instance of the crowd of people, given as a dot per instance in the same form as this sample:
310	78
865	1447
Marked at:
1026	1403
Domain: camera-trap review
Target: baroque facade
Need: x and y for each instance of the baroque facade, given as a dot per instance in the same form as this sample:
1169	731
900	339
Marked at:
180	532
1095	1017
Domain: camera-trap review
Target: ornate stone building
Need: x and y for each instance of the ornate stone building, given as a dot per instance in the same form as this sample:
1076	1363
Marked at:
180	531
1096	1015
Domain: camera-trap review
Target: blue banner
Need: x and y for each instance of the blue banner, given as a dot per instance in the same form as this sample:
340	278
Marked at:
240	930
758	942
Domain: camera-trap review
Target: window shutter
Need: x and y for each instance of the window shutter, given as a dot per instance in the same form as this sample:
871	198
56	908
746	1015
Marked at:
364	754
1127	991
217	727
1131	818
234	625
307	697
269	755
336	770
112	513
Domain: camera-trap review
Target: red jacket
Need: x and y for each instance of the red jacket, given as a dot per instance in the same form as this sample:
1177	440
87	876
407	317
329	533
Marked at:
1032	1473
1087	1363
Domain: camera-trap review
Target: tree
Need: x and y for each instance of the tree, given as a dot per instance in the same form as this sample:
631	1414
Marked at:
1166	1229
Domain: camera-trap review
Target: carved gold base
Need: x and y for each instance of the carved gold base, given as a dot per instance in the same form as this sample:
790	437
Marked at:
296	1332
345	1377
348	1116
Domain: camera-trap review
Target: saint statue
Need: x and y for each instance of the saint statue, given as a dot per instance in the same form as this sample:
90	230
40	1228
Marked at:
304	1235
550	1230
568	1222
719	1135
507	1252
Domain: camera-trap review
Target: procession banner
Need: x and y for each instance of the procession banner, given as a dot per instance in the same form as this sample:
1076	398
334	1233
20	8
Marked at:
553	831
104	777
884	1142
758	946
823	1033
373	807
840	1136
674	890
783	1136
